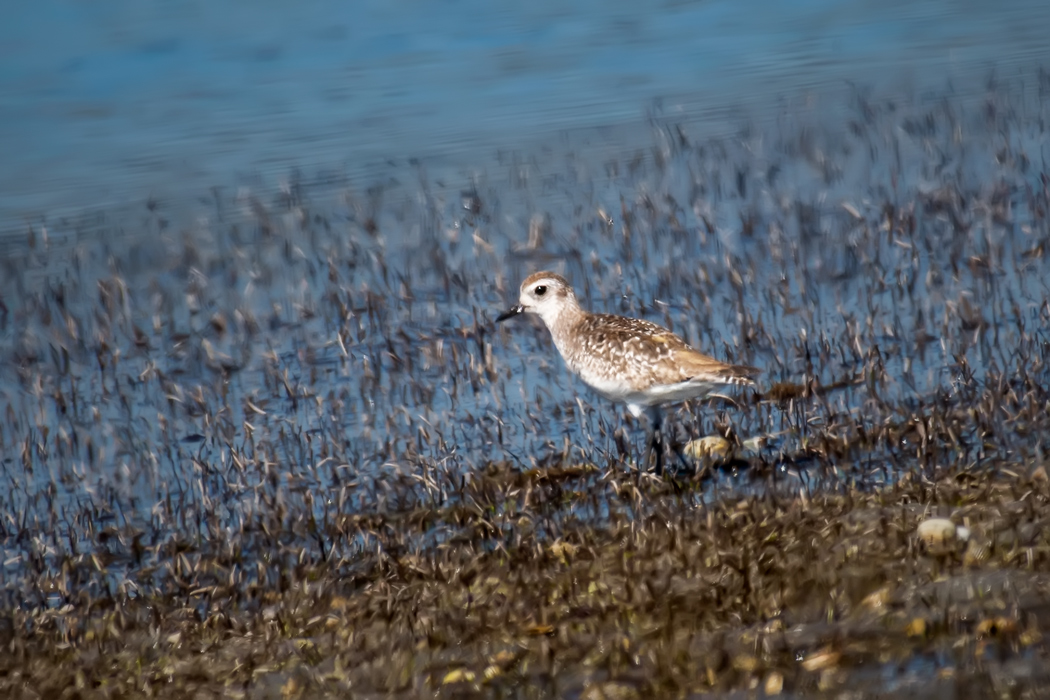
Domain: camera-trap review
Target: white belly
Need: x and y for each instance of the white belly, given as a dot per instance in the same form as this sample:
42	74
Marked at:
654	395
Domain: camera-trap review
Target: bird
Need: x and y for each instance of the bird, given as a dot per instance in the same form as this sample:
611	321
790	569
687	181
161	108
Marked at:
629	360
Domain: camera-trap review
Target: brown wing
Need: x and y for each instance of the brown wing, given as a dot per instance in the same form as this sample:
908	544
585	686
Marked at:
700	366
647	352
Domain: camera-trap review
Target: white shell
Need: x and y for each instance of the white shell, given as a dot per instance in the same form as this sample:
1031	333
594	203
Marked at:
939	533
715	447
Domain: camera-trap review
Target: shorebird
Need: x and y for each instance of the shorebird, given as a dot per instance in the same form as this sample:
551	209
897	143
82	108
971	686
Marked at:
625	359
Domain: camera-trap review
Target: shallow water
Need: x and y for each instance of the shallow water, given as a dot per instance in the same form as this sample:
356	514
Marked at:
247	361
109	103
325	335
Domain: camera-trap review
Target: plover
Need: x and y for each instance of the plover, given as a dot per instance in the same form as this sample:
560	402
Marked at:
625	359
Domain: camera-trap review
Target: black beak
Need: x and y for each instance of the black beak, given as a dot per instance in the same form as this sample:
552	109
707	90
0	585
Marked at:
510	313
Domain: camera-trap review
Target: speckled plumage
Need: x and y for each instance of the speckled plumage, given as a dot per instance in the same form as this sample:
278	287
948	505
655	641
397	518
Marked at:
624	359
642	356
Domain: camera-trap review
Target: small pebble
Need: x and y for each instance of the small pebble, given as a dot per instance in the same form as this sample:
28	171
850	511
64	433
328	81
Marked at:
713	447
940	534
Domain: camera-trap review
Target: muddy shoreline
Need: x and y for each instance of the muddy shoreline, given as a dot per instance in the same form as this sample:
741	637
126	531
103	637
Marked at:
827	590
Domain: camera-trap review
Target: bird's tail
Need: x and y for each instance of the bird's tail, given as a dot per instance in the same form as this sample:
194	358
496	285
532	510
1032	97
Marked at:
741	375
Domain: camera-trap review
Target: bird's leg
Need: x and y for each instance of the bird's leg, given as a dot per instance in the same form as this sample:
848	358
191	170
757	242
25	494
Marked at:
658	447
657	441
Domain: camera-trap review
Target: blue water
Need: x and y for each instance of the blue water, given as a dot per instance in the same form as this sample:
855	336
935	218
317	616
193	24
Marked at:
367	375
359	318
112	101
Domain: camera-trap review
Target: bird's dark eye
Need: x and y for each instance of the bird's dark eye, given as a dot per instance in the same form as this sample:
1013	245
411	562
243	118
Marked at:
541	290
